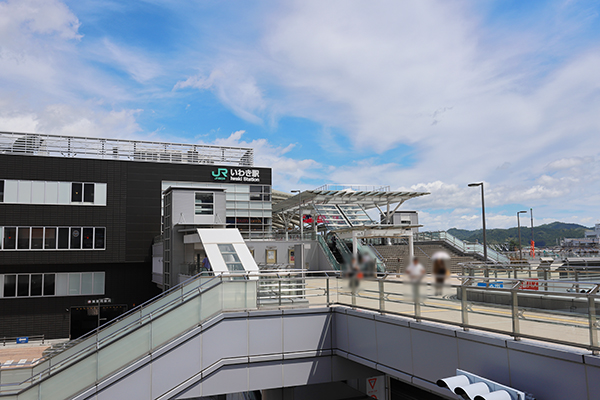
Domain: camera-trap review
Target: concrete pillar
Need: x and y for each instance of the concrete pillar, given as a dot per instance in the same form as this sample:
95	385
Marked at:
411	247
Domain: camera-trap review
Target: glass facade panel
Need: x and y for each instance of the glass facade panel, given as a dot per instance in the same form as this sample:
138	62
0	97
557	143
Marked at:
49	281
37	238
232	261
63	238
74	284
204	204
76	192
75	238
1	191
10	234
88	192
10	285
23	238
86	283
22	285
99	238
50	238
88	238
99	283
36	285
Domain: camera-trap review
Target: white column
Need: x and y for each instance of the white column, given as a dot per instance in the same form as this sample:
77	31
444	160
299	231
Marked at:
301	224
411	247
354	246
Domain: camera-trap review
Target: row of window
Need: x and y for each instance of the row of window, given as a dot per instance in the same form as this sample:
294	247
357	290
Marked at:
52	238
61	284
43	192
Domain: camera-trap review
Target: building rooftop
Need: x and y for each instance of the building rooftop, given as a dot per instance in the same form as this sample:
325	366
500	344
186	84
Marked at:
119	149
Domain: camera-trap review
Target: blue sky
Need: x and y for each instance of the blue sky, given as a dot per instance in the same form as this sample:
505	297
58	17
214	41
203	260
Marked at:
427	95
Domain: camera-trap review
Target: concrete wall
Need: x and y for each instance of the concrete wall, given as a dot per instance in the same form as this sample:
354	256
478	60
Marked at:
420	353
314	258
237	352
259	350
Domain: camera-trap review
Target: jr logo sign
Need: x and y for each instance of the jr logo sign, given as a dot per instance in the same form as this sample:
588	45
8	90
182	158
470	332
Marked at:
220	174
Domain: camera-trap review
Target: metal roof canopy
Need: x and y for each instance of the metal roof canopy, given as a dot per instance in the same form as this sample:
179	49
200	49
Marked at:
376	231
367	199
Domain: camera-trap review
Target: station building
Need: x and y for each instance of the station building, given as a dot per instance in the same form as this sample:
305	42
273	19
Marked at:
78	217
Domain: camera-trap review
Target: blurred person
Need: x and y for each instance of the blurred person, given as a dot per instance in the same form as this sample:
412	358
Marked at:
440	273
415	270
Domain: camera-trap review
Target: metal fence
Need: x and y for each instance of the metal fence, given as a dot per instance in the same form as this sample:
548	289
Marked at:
119	149
143	329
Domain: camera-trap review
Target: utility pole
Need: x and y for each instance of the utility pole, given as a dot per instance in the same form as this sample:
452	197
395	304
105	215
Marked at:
519	230
483	220
532	239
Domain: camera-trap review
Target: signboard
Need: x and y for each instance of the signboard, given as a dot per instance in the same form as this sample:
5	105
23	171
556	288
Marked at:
271	257
291	257
376	387
498	285
531	284
239	174
23	339
308	219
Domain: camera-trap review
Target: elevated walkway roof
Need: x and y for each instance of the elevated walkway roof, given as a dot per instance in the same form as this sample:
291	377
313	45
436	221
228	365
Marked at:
366	199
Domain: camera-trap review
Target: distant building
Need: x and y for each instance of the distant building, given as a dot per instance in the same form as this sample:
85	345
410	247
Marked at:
593	233
404	218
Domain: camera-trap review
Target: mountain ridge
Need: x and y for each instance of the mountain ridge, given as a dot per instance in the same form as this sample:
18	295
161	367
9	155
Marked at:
544	235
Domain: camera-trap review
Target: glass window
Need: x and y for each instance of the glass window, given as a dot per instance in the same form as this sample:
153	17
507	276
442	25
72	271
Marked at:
75	238
1	191
50	238
86	283
88	238
49	280
36	285
266	197
37	238
63	238
266	189
204	204
74	283
88	192
99	238
76	192
10	285
22	285
23	238
62	281
255	189
10	234
98	282
232	261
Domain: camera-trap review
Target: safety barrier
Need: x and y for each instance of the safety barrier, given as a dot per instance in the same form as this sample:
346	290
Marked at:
101	353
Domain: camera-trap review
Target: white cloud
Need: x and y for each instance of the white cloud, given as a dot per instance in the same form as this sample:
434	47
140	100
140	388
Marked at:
235	89
287	171
569	162
477	102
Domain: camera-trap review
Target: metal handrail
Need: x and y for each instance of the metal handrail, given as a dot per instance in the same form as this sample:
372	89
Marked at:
279	287
122	149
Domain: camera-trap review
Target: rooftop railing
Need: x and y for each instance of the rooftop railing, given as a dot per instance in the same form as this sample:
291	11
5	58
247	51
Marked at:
120	149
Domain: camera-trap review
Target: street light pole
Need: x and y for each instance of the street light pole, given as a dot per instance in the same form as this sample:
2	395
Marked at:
519	230
482	218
